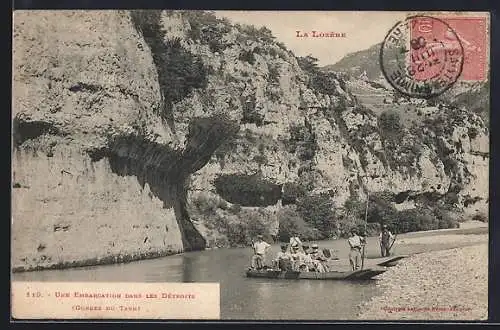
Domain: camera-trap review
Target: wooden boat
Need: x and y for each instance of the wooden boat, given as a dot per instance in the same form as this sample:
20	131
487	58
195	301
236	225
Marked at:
357	275
380	262
389	261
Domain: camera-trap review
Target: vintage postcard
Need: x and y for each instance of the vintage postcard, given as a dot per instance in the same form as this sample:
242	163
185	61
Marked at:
257	165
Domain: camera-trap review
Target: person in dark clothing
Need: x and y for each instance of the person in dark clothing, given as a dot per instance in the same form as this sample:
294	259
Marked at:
386	238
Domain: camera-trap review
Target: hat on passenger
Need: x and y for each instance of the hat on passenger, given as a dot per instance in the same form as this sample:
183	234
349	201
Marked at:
260	236
314	246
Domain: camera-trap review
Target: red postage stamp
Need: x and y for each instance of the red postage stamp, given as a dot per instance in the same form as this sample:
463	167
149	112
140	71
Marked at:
470	31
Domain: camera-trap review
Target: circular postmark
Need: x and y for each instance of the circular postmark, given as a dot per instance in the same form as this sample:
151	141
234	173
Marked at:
421	56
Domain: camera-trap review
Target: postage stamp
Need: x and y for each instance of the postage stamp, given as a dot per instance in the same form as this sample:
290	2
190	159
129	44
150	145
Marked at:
421	56
473	35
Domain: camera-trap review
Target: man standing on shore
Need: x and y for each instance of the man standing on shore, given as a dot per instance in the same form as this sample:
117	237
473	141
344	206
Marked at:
260	249
355	243
386	238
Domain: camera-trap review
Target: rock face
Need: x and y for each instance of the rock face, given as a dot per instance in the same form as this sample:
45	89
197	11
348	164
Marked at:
132	130
98	176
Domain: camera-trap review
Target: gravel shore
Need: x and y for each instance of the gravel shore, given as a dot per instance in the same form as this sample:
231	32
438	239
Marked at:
441	285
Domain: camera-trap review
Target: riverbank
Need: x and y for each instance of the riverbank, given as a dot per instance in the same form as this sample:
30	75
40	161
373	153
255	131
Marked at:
440	285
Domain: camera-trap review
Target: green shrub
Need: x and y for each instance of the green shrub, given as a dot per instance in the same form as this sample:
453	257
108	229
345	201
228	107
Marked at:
179	71
318	212
472	132
247	190
247	56
207	206
390	123
235	208
291	224
308	177
480	217
248	225
260	159
256	34
426	216
291	192
320	81
250	113
445	218
423	218
303	141
207	28
380	208
274	74
236	234
451	198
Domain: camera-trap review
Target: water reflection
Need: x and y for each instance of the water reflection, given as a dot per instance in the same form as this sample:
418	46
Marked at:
187	269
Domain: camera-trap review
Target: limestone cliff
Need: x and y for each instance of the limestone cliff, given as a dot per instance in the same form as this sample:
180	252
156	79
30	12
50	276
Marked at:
98	176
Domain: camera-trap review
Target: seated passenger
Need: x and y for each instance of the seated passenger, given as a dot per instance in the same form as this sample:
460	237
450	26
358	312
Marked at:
298	259
283	259
318	259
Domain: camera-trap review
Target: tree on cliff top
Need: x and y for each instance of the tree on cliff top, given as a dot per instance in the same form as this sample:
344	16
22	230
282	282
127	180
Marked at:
321	81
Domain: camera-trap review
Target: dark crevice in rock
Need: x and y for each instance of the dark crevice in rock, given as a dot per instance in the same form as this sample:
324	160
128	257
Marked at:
24	130
402	197
83	87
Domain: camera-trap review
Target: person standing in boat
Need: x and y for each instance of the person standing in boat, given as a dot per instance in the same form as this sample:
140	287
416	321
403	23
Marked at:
355	243
386	238
260	248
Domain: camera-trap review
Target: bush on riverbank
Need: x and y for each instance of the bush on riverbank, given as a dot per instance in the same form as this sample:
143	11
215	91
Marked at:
292	224
381	211
318	212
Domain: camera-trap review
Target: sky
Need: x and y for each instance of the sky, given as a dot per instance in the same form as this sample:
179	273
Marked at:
362	29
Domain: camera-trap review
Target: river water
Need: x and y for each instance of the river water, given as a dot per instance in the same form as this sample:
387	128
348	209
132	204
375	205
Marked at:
250	298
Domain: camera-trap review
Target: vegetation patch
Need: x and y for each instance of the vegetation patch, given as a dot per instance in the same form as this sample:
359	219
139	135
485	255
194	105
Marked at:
207	29
247	56
318	211
179	71
291	192
302	141
321	81
250	114
292	224
234	226
382	211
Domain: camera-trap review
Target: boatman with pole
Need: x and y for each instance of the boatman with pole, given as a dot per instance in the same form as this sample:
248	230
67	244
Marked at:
355	243
386	240
260	249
